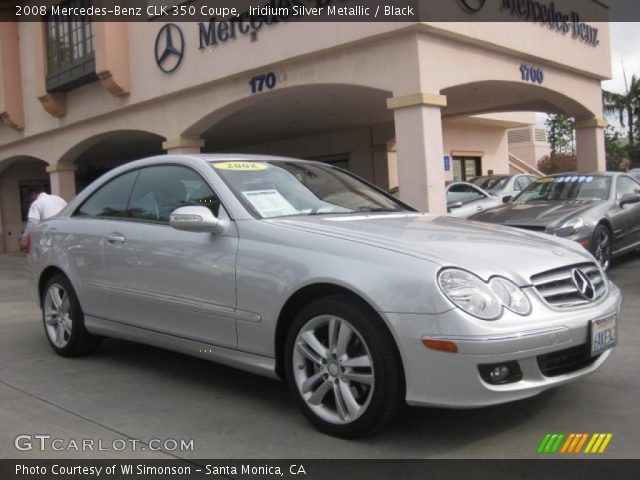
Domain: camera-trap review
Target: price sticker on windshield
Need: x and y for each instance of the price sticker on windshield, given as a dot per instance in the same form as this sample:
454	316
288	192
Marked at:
241	166
574	179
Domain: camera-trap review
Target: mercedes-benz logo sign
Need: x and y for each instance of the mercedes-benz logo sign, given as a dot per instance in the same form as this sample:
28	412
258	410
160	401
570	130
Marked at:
169	48
583	284
473	5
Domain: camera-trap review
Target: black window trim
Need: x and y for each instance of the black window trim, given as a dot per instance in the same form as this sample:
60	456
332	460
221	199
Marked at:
76	72
133	186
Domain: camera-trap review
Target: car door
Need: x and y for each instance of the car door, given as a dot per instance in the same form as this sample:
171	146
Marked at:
170	281
472	198
626	219
87	231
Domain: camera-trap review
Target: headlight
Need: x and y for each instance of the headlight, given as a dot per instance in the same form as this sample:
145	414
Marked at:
480	299
470	293
510	295
570	227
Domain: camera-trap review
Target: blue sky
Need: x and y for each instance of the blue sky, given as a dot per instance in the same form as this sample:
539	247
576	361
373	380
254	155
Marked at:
625	46
625	49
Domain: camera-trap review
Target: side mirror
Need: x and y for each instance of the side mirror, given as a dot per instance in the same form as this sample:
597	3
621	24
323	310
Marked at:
196	219
507	198
629	198
454	205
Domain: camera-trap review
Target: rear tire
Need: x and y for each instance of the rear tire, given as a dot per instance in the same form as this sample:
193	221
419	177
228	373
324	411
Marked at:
63	319
343	368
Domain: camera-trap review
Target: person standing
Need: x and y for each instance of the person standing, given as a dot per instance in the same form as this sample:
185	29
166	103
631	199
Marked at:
42	207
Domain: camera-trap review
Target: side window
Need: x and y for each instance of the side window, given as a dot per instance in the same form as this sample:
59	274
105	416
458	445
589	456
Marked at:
626	185
519	184
160	190
111	199
464	194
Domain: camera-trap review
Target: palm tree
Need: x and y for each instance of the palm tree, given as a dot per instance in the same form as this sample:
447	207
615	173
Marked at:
626	105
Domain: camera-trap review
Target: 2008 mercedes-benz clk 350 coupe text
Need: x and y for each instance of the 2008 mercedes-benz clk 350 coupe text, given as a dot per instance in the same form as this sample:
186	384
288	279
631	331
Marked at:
299	270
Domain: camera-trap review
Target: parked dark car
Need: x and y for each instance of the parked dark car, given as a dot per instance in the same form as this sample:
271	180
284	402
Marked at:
601	211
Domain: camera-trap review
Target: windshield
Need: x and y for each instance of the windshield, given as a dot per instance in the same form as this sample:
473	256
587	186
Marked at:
566	188
279	188
490	182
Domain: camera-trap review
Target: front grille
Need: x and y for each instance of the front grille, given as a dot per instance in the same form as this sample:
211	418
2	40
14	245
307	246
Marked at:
533	228
558	289
565	361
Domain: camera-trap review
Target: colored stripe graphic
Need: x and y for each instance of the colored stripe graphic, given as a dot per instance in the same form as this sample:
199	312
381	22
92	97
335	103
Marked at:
574	442
550	443
543	443
598	443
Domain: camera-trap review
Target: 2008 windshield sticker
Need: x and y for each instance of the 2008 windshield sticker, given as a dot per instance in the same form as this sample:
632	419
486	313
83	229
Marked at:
574	179
241	166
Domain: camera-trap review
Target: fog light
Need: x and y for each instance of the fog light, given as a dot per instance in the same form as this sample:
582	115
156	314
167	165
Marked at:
501	373
498	374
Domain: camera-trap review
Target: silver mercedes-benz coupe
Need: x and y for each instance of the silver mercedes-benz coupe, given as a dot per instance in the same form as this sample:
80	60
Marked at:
299	270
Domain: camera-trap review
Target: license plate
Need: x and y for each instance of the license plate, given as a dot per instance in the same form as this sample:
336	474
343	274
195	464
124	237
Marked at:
603	335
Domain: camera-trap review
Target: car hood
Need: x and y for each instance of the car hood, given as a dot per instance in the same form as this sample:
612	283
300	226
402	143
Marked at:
539	214
482	248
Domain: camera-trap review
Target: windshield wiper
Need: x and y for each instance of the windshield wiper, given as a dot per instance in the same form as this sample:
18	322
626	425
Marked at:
378	209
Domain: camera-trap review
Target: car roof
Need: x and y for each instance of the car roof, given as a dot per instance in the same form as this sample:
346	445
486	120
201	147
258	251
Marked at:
601	174
244	157
498	175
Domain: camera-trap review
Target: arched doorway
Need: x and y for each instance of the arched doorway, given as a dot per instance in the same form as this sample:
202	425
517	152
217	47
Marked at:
17	175
346	125
100	153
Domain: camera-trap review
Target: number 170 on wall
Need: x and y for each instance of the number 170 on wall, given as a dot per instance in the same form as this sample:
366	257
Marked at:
260	83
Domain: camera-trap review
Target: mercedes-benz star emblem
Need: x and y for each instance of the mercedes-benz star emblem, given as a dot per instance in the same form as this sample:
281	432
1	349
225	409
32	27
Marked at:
169	48
473	5
583	284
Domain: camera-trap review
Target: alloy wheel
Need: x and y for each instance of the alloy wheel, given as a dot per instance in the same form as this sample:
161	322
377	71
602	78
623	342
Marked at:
603	248
57	315
333	369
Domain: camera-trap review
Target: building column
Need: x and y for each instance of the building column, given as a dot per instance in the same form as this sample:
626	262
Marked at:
183	145
418	126
590	146
381	173
63	180
383	151
11	106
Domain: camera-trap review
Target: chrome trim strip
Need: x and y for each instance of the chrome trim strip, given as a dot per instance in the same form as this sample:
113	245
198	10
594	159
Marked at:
183	302
497	338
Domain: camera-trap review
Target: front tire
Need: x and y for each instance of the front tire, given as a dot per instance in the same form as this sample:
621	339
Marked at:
63	319
601	246
343	368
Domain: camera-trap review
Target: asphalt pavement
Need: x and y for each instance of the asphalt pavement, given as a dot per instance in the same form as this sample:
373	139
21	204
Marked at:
127	394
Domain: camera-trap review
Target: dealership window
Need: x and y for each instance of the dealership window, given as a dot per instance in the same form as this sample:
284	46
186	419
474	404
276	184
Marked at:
70	54
465	168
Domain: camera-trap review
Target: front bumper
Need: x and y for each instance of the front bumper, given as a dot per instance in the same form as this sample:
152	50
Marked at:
436	378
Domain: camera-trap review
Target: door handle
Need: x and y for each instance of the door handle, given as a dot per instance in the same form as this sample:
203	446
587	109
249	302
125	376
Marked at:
479	208
116	238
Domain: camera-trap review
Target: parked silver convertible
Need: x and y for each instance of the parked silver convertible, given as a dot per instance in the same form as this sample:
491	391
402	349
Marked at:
299	270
